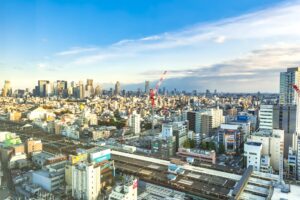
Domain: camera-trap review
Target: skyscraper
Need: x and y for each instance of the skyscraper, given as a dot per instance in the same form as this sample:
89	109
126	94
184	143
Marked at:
89	87
287	79
147	87
42	87
6	91
98	90
117	88
62	88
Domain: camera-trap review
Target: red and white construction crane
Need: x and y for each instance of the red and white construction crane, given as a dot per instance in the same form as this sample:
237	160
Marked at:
154	91
152	95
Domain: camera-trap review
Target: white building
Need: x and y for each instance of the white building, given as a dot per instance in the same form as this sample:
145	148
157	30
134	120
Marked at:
272	144
265	164
135	123
253	152
167	131
71	132
86	181
266	117
40	113
217	117
128	191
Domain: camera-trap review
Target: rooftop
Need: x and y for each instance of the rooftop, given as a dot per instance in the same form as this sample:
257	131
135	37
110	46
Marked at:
254	143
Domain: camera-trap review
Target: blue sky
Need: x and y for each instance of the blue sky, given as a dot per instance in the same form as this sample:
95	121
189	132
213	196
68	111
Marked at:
203	44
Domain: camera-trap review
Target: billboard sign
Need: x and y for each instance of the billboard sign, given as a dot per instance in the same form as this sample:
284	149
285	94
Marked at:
100	155
102	158
135	184
78	158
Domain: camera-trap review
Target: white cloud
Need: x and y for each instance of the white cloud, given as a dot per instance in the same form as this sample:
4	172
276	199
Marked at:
41	65
266	40
279	23
220	39
76	51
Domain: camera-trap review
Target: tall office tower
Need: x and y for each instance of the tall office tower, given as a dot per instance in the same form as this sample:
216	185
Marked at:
81	90
62	88
89	87
266	117
117	88
147	87
135	123
287	79
89	82
48	89
6	91
42	87
284	117
194	119
98	90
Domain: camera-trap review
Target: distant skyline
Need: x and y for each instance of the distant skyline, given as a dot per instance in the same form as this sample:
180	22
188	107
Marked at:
231	46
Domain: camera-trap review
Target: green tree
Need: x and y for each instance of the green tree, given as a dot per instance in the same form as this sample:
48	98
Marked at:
211	146
192	143
203	145
117	114
187	144
221	148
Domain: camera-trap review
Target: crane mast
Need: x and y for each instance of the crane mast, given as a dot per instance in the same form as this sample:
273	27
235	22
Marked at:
152	95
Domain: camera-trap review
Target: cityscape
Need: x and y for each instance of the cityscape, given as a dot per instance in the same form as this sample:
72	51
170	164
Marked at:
149	101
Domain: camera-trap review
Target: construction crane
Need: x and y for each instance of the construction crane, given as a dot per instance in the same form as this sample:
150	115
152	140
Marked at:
297	90
152	94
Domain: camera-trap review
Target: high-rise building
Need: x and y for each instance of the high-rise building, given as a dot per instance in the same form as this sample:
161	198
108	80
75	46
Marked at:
117	88
79	90
88	177
89	87
62	88
135	123
98	90
282	116
266	117
194	118
147	87
6	91
42	88
287	79
86	181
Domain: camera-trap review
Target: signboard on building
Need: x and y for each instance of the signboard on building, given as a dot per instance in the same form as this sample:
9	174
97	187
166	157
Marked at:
101	155
242	118
78	158
135	184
